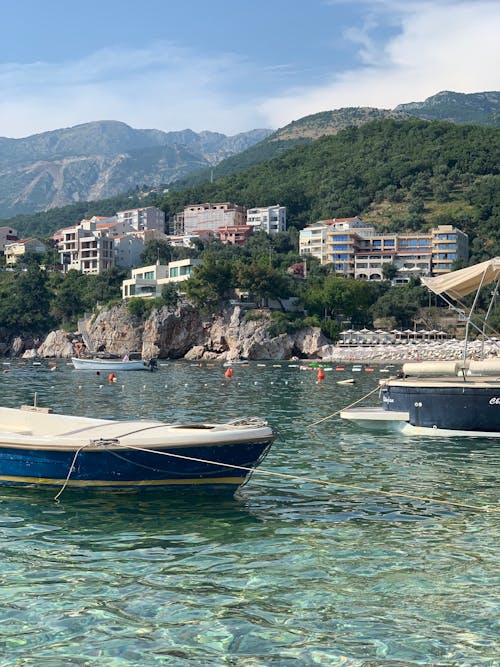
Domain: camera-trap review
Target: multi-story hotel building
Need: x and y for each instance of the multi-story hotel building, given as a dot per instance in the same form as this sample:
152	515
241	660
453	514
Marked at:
269	219
357	250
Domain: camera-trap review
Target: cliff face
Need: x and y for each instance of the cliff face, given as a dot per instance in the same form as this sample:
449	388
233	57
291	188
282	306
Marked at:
184	333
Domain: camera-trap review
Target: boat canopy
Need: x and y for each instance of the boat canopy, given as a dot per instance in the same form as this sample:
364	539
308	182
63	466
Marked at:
458	284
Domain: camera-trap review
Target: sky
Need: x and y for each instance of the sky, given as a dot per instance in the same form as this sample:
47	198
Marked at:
234	65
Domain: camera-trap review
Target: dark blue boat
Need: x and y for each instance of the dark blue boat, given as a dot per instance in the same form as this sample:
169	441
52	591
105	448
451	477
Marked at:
446	397
42	449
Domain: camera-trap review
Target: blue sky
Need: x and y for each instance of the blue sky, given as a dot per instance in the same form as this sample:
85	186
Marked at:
234	65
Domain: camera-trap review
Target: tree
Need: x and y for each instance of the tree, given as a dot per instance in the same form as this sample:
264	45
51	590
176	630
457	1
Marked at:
25	306
340	297
170	295
156	250
389	271
263	281
209	282
70	298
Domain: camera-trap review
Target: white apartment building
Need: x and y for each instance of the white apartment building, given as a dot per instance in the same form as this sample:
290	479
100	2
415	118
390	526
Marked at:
102	242
127	250
138	219
87	247
269	219
147	281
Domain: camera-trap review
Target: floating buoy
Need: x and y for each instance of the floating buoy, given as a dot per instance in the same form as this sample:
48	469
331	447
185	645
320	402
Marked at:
112	377
321	375
229	372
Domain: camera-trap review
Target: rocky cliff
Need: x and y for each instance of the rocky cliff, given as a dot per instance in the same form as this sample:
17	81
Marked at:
182	333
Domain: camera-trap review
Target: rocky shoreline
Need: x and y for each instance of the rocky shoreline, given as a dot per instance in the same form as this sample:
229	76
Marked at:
184	333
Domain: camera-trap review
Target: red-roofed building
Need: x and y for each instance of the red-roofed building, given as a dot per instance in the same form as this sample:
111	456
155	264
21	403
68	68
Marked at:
18	249
233	234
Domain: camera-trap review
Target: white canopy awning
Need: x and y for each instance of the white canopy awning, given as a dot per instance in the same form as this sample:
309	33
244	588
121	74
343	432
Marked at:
458	284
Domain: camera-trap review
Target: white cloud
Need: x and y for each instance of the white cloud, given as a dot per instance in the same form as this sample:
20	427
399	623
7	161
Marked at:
432	46
441	45
162	87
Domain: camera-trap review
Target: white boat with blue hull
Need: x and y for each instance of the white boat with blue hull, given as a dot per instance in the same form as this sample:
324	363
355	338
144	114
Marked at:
44	450
445	397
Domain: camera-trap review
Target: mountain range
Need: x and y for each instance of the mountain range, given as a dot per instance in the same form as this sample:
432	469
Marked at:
101	159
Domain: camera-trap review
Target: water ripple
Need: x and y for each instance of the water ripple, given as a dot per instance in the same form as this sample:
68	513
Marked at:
287	573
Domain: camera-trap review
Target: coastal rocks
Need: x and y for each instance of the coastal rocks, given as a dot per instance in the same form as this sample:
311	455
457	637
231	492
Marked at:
183	332
172	334
18	346
115	330
57	344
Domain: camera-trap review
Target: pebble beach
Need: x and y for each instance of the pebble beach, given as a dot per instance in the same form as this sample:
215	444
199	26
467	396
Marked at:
447	350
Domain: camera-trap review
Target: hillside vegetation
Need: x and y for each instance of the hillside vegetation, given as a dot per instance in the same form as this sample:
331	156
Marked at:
400	175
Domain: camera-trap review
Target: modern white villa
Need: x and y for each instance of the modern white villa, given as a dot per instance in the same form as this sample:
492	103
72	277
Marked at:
147	281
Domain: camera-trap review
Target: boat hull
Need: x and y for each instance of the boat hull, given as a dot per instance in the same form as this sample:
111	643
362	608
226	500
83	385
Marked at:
461	406
108	365
133	469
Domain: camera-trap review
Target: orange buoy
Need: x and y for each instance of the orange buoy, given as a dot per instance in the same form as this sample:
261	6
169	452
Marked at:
229	372
321	374
111	377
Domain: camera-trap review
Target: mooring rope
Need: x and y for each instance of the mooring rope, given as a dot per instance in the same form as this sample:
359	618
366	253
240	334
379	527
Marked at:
323	482
377	388
71	468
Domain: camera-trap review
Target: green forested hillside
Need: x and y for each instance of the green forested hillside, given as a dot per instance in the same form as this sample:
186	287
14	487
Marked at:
408	174
398	174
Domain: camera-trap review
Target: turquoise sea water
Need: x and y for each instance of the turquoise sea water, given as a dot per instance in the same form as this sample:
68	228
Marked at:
286	573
